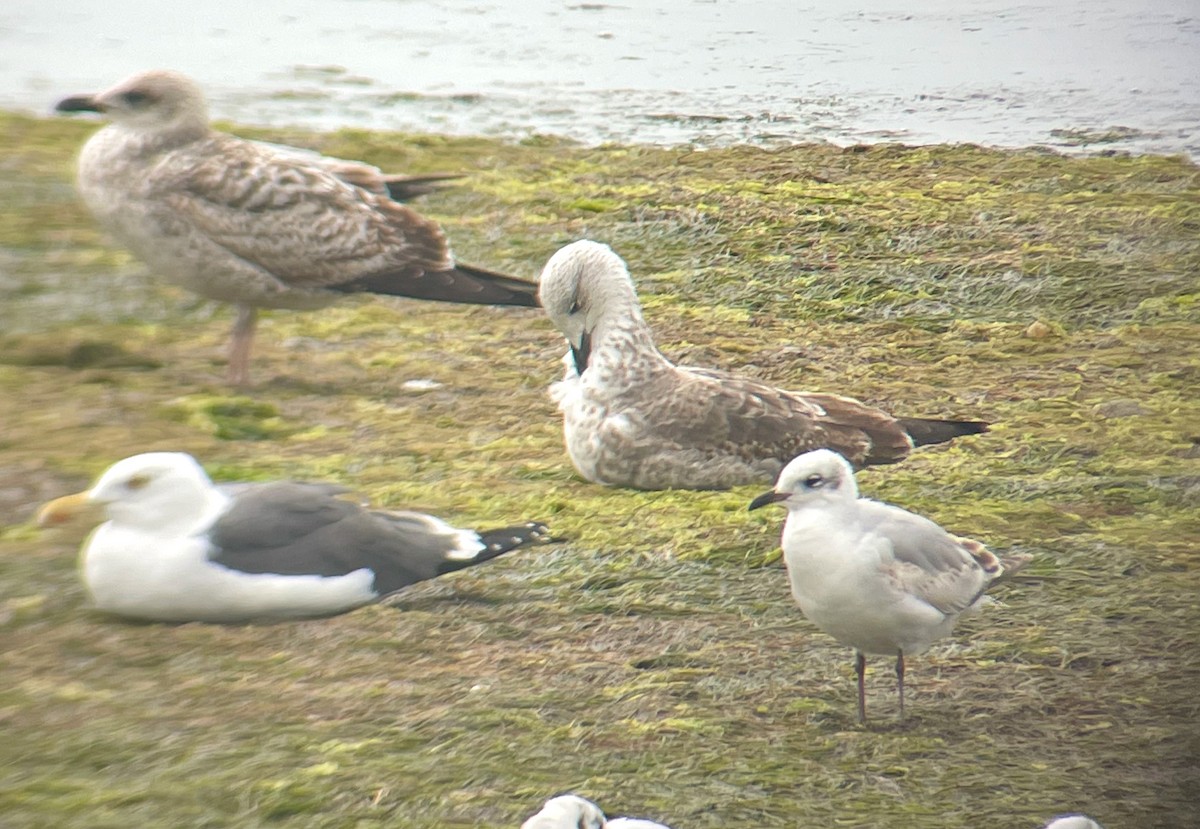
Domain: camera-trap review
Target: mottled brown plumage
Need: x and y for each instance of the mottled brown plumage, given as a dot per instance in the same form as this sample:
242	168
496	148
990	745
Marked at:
632	418
255	224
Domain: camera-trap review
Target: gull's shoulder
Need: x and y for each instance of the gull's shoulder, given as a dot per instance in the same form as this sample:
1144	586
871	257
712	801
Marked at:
922	559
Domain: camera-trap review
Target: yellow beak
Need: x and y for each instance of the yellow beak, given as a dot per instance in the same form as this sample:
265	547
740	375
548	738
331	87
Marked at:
67	509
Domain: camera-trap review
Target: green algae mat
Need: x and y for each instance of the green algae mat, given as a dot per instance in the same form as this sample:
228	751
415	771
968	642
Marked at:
653	660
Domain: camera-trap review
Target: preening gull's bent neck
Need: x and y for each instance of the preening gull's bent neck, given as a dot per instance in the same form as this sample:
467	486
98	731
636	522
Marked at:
588	294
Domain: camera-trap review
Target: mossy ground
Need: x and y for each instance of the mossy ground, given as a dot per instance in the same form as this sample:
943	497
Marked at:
654	660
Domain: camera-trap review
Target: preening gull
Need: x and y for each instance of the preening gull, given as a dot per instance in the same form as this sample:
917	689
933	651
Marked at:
255	224
571	811
1073	822
178	548
632	418
874	576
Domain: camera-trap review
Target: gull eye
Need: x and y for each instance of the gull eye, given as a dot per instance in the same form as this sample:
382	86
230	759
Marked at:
814	482
136	99
137	482
574	309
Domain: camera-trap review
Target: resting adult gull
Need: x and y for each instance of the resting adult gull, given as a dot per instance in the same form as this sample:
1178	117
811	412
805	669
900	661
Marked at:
255	224
571	811
177	548
874	576
632	418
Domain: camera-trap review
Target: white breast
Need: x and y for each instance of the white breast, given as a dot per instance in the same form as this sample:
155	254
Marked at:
837	579
171	579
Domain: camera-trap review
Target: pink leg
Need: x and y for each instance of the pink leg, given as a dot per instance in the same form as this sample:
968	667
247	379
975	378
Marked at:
239	345
900	679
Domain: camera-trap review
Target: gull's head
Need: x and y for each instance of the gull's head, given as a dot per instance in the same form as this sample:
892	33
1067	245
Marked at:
567	811
582	285
814	477
155	101
1073	822
150	491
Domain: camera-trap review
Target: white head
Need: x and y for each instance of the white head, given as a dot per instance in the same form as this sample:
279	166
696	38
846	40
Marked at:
155	101
155	491
814	477
567	811
583	286
1073	822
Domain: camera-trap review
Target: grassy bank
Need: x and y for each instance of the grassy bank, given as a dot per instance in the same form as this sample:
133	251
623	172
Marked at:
654	661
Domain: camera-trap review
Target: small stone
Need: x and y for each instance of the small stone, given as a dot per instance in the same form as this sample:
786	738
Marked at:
1120	408
1038	330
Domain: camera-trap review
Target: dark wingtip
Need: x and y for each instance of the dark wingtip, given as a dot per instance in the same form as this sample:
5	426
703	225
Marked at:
501	541
925	431
479	286
405	188
78	103
462	284
498	542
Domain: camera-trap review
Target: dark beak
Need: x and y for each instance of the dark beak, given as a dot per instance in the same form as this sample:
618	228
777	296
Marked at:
768	498
582	353
79	103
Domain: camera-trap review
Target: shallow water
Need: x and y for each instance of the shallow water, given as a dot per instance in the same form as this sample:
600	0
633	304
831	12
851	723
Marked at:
1072	74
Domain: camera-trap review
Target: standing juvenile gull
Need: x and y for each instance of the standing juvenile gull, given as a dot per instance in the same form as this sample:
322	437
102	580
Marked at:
873	576
177	548
571	811
256	225
632	418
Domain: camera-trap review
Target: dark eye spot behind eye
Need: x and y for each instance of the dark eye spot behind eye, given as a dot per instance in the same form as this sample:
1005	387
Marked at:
137	482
